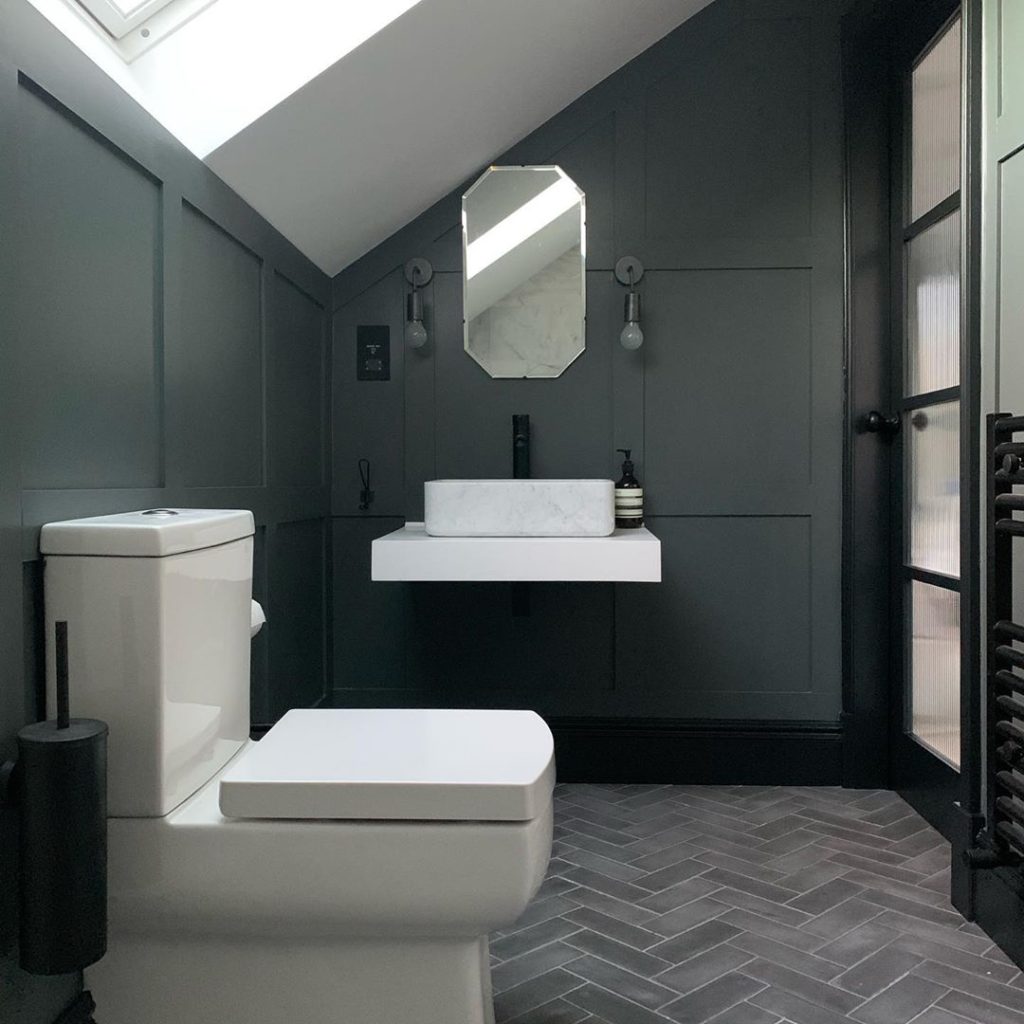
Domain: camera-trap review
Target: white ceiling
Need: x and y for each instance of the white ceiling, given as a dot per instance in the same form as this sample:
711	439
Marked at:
436	95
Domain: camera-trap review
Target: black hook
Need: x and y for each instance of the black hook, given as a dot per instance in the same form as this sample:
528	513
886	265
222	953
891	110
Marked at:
365	495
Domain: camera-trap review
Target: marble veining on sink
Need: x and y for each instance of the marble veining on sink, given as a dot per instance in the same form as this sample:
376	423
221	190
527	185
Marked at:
519	508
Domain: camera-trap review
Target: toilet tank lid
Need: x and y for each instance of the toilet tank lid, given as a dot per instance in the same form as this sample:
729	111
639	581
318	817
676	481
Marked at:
419	764
147	533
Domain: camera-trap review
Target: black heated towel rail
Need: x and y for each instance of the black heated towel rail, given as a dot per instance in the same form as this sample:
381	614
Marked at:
1005	716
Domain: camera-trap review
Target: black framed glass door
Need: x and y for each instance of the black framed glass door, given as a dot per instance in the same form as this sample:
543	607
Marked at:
926	397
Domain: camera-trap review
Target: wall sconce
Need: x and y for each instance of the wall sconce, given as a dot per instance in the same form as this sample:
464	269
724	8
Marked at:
628	271
418	272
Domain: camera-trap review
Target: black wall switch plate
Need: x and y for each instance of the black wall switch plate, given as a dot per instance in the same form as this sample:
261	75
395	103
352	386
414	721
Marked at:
373	352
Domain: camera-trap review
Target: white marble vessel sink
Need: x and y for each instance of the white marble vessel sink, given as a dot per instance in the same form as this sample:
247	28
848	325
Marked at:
519	508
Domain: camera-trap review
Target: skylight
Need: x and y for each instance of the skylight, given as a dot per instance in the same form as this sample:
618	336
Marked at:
208	68
120	18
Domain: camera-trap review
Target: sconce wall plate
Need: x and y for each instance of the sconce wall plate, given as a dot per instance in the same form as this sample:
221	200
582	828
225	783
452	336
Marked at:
625	266
418	271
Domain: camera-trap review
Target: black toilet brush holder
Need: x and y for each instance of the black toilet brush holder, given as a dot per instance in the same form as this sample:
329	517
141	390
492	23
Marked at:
59	785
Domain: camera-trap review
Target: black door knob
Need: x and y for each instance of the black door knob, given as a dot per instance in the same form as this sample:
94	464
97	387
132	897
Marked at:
876	422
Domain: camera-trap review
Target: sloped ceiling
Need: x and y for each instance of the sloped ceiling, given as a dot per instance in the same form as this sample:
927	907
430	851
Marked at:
438	94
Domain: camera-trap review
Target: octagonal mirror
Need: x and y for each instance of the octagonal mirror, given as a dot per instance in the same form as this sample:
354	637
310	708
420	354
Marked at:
523	250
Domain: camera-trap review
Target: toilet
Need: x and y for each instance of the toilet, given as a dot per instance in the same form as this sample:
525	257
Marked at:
345	869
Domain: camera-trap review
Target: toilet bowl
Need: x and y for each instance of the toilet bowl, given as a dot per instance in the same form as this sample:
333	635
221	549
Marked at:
345	868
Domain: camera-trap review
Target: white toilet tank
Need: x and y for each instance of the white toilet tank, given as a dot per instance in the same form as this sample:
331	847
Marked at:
158	611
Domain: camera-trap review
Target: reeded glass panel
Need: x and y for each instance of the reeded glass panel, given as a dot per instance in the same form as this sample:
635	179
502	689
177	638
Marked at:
935	669
933	307
935	128
933	451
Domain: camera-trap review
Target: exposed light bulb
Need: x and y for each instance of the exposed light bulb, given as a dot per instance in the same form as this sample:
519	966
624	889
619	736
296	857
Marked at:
632	337
415	334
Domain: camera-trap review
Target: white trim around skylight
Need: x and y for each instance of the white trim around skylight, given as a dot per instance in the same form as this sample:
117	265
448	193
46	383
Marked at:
131	27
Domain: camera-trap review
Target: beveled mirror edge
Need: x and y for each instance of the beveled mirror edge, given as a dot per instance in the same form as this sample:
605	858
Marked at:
583	266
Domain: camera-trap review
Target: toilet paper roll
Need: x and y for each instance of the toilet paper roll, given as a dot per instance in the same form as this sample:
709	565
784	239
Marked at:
256	619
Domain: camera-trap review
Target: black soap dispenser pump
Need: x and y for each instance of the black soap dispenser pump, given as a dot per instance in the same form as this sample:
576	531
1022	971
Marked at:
629	496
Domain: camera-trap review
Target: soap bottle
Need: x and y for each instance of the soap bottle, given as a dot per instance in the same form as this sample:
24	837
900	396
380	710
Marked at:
629	496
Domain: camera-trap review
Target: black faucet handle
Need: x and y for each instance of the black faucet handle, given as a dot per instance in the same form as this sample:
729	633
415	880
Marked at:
521	445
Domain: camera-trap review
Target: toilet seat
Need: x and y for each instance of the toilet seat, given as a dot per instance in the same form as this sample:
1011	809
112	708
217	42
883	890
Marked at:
395	764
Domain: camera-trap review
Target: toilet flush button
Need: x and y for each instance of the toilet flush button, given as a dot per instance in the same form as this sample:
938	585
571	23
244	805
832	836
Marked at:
160	512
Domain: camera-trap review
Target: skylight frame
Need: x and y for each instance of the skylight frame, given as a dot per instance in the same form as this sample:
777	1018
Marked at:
146	24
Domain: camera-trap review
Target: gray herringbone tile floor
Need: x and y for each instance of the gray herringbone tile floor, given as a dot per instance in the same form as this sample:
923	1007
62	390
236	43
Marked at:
746	905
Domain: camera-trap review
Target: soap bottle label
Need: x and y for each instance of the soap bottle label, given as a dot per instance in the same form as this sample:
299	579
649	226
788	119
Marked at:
629	503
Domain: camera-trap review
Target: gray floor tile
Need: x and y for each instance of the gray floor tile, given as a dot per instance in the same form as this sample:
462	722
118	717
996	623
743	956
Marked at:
604	883
622	871
935	1015
625	983
687	916
780	912
984	967
747	905
900	872
621	931
797	984
712	999
618	953
826	896
798	938
744	883
948	936
666	856
890	901
858	943
543	910
978	1011
629	913
990	991
557	1011
704	967
665	878
793	1008
685	892
612	1007
787	956
695	940
530	938
533	993
840	919
529	965
877	971
744	1013
900	1002
806	879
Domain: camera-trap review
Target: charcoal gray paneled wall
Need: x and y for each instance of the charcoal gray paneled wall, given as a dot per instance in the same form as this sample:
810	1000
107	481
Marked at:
716	157
160	344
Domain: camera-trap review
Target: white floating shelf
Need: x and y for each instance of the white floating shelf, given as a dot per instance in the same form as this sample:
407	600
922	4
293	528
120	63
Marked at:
410	554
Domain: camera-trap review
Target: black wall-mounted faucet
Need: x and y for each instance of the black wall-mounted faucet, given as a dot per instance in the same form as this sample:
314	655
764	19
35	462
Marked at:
521	446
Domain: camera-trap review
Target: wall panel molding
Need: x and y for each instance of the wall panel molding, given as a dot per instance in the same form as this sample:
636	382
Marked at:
91	345
98	408
730	192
